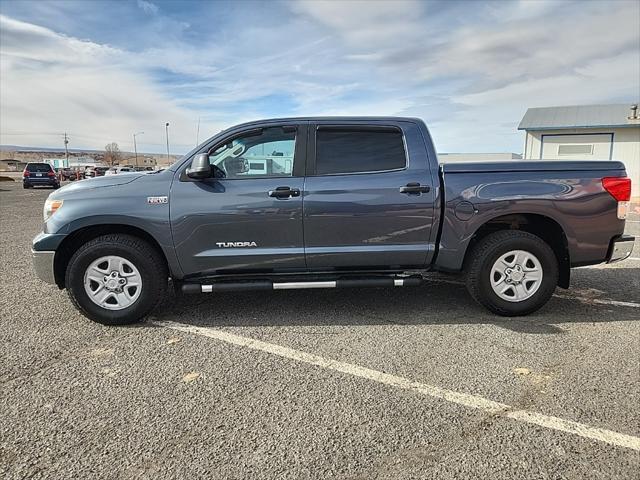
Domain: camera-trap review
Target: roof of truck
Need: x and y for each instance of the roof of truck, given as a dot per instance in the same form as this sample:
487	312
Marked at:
332	118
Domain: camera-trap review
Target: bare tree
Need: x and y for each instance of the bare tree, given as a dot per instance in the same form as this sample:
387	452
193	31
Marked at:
112	154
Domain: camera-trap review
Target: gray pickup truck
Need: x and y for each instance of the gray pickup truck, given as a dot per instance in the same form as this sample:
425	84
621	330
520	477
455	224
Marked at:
330	203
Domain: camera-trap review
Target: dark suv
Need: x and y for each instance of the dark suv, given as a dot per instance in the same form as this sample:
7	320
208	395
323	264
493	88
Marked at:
39	174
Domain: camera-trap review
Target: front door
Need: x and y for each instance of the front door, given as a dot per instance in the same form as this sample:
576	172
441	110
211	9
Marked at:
247	218
369	198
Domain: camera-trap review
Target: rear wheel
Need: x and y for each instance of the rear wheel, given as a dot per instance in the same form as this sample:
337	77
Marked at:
512	273
116	279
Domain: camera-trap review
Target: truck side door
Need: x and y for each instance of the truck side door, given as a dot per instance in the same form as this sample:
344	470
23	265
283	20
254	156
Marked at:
248	219
369	202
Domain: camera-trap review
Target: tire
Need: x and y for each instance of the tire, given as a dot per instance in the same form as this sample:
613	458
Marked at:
489	262
134	253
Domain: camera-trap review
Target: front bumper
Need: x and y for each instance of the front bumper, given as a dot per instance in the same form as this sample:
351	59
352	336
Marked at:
620	248
43	265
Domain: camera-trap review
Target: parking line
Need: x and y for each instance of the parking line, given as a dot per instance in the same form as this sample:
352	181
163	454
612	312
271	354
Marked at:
467	400
599	301
566	296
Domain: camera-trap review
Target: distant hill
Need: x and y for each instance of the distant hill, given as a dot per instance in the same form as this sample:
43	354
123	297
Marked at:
20	148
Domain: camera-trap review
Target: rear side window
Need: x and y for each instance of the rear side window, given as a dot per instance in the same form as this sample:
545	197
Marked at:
38	167
353	151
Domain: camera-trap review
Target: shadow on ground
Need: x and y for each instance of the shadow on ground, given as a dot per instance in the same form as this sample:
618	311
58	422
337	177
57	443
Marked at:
435	303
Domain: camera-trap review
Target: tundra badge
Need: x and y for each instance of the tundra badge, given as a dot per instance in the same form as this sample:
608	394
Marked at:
157	200
235	244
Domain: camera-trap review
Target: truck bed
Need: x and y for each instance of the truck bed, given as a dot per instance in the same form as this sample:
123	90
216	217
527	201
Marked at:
532	166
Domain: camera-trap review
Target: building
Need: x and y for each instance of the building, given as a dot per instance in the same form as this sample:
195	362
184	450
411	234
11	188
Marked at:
587	132
11	165
476	157
73	162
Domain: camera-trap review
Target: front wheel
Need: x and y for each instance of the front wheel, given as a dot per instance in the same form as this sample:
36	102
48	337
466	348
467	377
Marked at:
116	279
512	272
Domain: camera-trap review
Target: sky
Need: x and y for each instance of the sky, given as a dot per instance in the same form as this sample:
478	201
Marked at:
104	70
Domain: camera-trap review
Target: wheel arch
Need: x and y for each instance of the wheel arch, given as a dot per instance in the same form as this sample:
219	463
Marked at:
540	225
78	237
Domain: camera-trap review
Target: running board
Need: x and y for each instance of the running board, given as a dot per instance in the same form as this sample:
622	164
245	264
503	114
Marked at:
269	285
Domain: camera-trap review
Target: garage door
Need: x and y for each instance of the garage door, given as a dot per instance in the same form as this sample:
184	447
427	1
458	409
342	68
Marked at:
576	147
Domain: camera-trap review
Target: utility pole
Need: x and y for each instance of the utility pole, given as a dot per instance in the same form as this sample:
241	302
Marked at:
135	147
66	150
166	128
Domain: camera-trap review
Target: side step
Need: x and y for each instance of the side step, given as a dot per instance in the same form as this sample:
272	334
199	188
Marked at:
269	285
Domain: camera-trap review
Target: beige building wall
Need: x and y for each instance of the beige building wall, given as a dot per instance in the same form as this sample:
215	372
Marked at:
626	147
476	157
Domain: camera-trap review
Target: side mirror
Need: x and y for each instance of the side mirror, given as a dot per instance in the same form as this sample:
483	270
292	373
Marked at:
199	167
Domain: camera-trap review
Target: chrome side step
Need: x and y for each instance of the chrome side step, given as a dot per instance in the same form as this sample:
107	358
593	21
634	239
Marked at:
269	285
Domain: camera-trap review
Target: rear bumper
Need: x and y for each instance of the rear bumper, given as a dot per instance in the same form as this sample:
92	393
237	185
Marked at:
41	181
43	265
620	248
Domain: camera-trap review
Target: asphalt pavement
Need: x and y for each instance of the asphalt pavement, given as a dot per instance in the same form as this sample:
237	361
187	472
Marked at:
316	384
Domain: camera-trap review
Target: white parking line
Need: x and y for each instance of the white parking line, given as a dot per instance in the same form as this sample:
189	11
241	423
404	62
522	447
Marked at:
566	296
598	301
467	400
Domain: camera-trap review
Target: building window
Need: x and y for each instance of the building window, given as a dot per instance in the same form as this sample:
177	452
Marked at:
575	149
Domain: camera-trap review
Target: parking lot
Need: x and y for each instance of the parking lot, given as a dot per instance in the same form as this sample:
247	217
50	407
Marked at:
358	384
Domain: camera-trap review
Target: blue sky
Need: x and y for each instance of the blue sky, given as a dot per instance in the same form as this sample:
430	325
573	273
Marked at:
103	70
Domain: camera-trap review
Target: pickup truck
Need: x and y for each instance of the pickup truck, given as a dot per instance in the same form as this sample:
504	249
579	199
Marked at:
330	203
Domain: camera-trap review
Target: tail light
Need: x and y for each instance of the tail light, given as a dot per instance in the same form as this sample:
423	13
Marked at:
25	173
620	189
51	173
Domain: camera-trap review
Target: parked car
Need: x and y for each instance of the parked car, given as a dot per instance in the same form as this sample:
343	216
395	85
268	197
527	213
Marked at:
117	170
351	202
89	172
39	175
100	171
67	173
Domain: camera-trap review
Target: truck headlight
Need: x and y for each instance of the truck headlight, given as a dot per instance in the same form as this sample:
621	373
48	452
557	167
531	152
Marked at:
51	207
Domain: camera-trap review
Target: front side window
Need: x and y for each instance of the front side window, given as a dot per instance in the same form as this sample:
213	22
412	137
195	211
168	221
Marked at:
265	153
357	151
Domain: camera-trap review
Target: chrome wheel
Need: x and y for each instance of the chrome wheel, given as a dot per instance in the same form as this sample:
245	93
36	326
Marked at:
516	276
112	282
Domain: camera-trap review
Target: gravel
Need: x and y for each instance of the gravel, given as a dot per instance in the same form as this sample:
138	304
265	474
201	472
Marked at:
79	400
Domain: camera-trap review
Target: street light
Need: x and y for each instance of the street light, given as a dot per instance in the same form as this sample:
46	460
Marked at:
166	128
135	147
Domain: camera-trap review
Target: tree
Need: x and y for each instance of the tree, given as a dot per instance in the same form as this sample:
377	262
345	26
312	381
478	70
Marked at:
112	154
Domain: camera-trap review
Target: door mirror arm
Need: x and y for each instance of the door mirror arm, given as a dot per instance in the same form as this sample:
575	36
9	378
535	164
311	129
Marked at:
200	167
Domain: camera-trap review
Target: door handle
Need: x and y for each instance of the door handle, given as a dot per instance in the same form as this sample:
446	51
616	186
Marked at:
284	192
414	187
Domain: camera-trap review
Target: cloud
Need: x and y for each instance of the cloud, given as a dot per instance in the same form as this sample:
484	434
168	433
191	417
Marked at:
470	69
52	83
148	7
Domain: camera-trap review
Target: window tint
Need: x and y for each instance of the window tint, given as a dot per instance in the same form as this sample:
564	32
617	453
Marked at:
269	153
38	167
350	151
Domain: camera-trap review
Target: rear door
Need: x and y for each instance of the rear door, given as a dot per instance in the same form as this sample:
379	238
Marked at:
249	218
369	202
39	172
